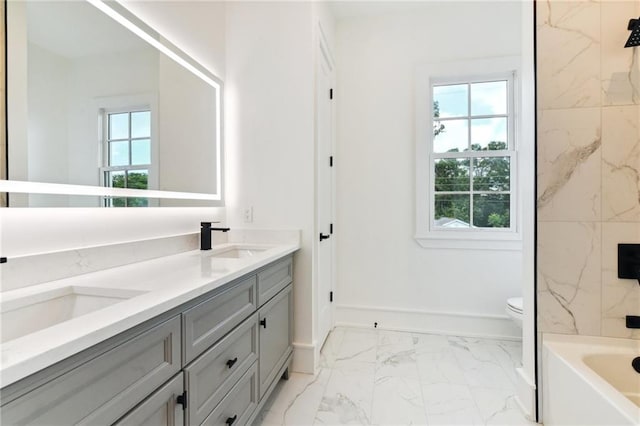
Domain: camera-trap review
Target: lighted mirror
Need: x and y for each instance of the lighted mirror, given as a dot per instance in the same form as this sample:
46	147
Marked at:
103	111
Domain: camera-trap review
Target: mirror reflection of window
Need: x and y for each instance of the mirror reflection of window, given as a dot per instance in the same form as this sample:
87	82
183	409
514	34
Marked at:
127	153
70	59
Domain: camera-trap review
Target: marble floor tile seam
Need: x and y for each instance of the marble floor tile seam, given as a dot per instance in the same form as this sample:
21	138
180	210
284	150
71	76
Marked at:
376	353
456	364
492	360
324	389
377	331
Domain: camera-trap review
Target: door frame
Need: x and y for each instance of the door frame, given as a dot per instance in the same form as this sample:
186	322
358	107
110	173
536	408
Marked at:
323	53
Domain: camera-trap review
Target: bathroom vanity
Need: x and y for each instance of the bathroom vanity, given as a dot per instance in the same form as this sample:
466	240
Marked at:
211	357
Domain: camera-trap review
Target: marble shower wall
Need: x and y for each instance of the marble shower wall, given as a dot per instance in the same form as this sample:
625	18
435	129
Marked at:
588	165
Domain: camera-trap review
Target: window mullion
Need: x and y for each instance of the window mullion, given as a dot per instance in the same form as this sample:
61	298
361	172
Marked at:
130	144
471	168
472	154
473	116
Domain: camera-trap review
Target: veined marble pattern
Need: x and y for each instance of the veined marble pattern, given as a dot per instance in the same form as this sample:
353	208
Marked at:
569	165
621	163
378	377
620	67
588	165
568	36
29	270
569	277
619	297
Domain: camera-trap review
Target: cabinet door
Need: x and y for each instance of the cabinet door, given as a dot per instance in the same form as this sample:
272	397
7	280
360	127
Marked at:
105	388
275	337
160	409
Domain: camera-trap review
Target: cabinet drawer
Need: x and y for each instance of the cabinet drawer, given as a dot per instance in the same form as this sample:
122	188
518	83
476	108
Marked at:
105	388
275	337
273	279
213	374
206	323
238	406
160	409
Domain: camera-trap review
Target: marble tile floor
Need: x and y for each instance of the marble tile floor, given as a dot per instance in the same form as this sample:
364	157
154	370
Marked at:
377	377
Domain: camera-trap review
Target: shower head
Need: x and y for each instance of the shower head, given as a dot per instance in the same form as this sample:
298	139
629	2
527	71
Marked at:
634	38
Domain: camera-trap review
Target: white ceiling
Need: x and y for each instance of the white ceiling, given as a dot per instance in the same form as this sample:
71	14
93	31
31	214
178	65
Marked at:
75	29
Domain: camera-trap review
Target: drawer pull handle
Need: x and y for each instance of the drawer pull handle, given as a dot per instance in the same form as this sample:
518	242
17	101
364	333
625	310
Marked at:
263	322
231	362
182	400
230	420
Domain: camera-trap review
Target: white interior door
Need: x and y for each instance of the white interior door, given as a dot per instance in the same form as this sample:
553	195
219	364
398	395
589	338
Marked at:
325	240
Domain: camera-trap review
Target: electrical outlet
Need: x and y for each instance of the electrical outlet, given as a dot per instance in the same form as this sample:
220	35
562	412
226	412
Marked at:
247	214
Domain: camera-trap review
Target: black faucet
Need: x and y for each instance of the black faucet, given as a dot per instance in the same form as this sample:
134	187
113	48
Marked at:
205	234
629	261
632	321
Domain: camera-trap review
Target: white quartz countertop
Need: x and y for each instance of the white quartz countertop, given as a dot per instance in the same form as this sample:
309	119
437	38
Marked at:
167	282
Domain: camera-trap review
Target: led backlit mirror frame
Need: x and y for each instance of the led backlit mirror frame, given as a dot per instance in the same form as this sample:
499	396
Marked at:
134	24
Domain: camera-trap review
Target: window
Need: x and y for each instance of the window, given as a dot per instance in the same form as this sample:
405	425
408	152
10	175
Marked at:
470	154
467	152
126	153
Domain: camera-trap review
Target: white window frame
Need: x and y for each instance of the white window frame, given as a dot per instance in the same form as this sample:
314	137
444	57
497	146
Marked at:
106	147
471	71
105	137
127	103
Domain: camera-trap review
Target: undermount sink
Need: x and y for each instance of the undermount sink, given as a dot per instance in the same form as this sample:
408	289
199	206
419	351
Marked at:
239	252
37	311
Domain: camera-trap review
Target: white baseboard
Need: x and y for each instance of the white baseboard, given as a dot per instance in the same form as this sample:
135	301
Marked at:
304	358
526	394
450	323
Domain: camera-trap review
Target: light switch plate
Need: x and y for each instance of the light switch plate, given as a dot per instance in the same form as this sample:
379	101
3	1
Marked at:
247	214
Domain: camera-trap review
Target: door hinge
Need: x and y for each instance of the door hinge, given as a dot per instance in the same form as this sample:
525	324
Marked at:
330	296
331	161
330	93
331	228
182	400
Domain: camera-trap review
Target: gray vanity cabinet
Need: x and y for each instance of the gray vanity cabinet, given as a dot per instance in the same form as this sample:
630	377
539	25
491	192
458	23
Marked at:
212	375
275	337
103	389
160	409
211	361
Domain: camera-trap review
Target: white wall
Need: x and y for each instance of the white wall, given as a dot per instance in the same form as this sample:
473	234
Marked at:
91	83
383	275
196	27
17	80
269	132
48	109
187	130
64	98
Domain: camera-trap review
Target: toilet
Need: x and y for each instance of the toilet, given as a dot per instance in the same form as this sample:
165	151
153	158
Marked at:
514	310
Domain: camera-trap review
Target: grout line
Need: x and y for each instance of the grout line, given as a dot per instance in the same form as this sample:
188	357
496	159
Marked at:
424	400
484	345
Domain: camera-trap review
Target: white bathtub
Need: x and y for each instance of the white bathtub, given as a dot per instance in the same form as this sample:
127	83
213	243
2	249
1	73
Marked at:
589	381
